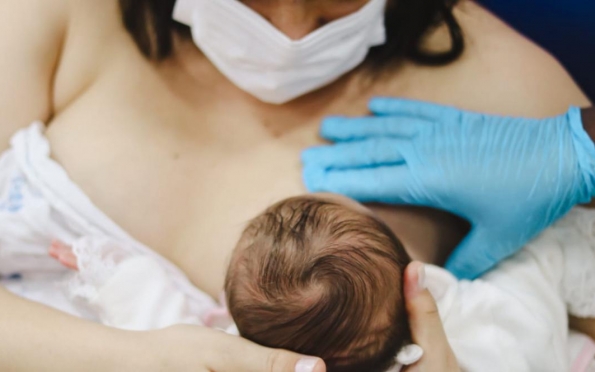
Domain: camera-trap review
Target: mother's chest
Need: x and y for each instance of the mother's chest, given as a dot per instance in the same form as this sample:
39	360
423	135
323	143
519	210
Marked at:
185	194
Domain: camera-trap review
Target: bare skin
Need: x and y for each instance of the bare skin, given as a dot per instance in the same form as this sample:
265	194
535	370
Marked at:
181	159
175	153
426	326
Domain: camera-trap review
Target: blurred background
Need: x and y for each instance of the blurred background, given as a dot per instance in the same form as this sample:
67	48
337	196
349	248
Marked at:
566	28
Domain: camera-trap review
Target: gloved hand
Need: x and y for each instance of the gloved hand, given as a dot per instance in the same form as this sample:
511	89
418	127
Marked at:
509	177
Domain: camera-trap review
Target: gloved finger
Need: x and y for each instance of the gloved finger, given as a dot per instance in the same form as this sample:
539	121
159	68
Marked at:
475	255
386	184
410	108
356	154
340	129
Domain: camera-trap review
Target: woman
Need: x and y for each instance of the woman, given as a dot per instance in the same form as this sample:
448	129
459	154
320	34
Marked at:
175	153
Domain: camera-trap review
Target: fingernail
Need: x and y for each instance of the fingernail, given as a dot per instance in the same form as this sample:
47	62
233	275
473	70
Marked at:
306	365
421	277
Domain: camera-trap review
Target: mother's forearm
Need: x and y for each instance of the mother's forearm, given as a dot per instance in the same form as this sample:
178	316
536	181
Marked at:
37	338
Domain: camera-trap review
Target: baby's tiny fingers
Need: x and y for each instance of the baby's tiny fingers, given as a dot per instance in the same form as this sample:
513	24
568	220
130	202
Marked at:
64	254
54	252
58	246
69	260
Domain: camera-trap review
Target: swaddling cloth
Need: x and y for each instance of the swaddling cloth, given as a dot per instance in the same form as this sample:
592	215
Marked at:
128	291
515	317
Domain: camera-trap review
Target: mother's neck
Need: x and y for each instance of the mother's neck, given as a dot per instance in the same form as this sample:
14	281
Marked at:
191	72
429	235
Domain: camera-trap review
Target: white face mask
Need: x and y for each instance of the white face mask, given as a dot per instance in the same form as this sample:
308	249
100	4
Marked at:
264	62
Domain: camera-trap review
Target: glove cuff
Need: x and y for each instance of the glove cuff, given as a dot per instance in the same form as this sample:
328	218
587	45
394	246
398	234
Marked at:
585	151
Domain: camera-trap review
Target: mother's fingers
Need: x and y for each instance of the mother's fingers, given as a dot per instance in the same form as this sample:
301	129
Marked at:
427	330
424	318
238	354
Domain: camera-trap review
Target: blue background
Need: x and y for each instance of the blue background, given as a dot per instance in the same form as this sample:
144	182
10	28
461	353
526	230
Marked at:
564	27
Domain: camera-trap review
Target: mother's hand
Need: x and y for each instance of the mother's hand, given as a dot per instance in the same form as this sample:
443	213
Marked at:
509	177
426	327
184	348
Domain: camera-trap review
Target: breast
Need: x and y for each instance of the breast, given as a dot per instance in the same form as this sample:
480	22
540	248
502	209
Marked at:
232	193
184	188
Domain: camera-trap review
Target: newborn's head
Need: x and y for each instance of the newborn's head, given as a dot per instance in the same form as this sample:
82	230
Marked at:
320	275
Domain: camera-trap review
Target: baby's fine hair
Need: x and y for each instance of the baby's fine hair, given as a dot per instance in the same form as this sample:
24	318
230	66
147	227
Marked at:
318	278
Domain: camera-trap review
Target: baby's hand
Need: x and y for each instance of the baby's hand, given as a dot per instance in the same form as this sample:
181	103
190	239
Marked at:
63	253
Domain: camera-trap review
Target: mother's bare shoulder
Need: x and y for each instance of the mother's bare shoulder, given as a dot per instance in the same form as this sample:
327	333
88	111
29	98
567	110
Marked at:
500	72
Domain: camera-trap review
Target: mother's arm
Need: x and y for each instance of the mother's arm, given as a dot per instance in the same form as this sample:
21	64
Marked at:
32	34
38	338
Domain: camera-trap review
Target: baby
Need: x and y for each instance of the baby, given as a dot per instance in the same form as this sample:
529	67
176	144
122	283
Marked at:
321	275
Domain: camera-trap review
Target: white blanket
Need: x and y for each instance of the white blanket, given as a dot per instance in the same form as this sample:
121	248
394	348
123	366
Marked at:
513	319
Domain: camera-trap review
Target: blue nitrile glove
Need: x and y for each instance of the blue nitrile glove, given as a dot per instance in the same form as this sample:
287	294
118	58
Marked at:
509	177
